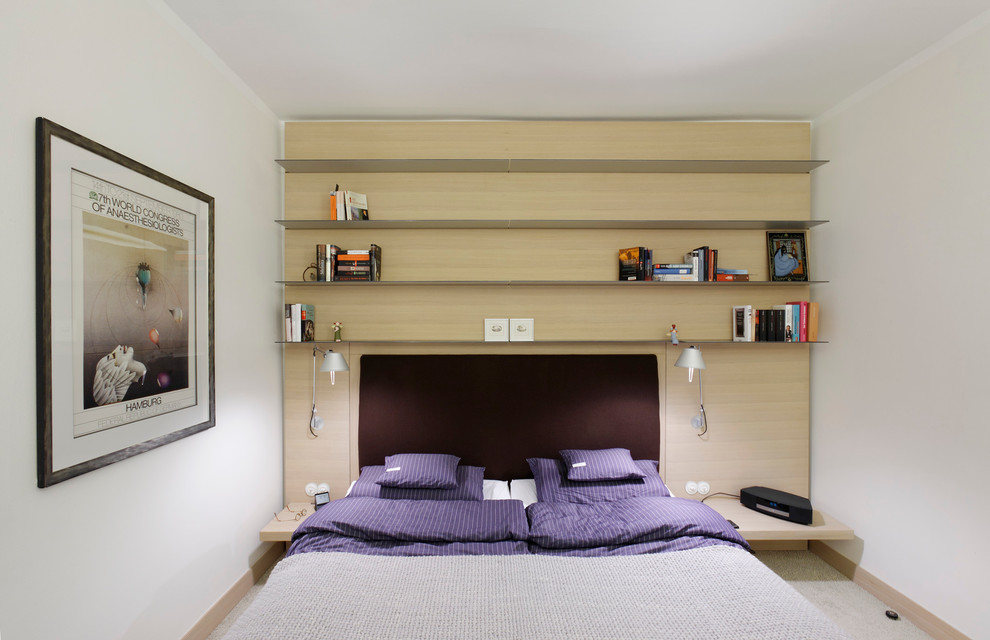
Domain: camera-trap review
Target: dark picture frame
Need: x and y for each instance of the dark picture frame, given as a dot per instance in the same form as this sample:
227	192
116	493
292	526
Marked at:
787	253
125	357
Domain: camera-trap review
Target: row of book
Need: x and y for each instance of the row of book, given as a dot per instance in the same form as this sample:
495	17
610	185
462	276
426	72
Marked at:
700	265
334	264
348	205
790	322
300	323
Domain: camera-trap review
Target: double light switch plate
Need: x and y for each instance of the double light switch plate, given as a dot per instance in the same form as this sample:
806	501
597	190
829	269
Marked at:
506	329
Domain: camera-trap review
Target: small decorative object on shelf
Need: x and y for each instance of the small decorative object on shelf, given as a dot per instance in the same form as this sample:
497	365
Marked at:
672	334
336	331
788	253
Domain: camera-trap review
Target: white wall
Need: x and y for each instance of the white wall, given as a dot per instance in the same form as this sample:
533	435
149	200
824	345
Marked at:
900	433
141	548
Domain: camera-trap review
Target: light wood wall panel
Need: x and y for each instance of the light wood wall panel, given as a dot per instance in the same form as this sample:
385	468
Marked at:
550	139
756	400
756	395
557	196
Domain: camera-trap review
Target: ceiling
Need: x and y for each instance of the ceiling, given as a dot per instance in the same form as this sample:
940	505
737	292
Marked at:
566	59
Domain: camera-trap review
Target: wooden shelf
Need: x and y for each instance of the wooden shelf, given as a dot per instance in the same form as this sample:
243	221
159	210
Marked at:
282	526
538	283
549	165
519	342
756	526
552	224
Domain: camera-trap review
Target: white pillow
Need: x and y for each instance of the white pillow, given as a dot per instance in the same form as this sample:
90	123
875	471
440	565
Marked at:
523	489
496	490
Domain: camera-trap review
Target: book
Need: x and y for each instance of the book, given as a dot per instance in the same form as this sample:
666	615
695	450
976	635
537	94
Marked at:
331	267
376	262
779	334
673	265
812	322
356	205
628	263
735	271
802	325
288	323
673	277
296	332
321	263
742	323
307	323
732	277
663	270
702	253
692	259
788	327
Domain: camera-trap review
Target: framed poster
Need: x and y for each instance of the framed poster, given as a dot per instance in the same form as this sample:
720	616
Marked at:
788	254
124	306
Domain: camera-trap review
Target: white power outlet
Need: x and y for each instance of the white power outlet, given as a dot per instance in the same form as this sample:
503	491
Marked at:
521	329
311	489
323	487
691	487
496	329
704	488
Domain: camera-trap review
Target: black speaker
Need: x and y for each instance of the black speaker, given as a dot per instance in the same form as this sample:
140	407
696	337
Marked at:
778	504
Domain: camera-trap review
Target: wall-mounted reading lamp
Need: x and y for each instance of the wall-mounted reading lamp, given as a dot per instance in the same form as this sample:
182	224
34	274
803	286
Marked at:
691	359
332	362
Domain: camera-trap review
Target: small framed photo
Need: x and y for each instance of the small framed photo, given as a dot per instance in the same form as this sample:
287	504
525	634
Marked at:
788	255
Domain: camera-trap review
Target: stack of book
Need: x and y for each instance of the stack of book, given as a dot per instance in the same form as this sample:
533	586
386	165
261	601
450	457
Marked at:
334	264
348	205
300	323
790	322
635	263
700	265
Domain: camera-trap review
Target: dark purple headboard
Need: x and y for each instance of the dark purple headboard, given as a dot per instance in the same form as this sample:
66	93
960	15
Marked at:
497	410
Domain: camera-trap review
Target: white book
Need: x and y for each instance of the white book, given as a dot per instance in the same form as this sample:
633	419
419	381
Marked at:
789	326
674	277
742	323
692	259
357	206
296	323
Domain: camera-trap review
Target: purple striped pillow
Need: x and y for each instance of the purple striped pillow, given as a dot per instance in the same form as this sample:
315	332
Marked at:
589	465
552	484
470	486
420	471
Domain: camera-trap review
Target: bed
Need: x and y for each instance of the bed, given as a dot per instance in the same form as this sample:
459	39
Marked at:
417	551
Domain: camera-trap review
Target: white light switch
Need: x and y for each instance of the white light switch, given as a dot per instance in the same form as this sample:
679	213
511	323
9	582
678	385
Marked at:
496	329
521	329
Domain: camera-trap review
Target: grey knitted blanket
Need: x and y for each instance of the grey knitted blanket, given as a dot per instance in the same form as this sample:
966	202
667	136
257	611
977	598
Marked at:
713	592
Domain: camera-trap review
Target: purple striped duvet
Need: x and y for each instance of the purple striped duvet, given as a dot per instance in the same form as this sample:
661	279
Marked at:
627	527
376	526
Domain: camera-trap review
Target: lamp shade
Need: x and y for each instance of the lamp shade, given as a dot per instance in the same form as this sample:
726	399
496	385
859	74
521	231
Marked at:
333	361
690	358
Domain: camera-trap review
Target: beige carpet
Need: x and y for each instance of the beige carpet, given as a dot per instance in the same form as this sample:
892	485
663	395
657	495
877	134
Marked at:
848	605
